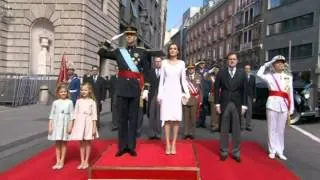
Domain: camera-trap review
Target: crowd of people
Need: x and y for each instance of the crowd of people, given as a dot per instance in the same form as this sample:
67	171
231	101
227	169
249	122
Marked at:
170	93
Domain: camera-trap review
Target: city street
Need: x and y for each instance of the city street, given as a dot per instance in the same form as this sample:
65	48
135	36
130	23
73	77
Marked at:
302	151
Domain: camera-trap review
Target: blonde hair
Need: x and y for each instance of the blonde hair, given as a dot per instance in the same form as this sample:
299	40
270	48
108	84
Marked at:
59	87
91	93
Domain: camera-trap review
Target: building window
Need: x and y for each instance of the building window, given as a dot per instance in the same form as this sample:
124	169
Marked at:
221	51
222	14
277	3
229	27
230	10
214	56
221	31
216	19
291	24
247	36
297	52
210	23
215	34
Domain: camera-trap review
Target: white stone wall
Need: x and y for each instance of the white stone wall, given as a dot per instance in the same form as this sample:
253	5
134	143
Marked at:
79	25
3	36
98	26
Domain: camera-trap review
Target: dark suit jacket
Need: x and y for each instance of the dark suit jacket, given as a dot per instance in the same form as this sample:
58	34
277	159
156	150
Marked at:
232	89
252	86
98	88
86	78
129	87
154	83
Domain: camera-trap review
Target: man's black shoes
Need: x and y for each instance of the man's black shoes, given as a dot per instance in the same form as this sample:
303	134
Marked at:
223	158
120	153
237	158
132	152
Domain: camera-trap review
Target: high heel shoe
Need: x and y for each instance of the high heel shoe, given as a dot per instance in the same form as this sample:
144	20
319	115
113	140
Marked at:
85	166
80	166
173	150
60	166
55	166
168	150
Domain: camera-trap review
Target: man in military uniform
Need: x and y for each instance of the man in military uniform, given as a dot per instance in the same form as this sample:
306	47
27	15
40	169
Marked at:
191	108
134	64
74	85
204	109
280	103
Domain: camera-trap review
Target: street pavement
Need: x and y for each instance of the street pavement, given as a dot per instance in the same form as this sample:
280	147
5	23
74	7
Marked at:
302	152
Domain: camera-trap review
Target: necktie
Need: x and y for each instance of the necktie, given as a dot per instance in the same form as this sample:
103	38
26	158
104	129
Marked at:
158	73
231	73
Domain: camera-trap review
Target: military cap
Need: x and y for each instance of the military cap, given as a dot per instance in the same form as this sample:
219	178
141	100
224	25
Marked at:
190	66
130	30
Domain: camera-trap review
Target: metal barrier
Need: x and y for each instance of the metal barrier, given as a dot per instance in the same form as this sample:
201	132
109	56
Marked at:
22	89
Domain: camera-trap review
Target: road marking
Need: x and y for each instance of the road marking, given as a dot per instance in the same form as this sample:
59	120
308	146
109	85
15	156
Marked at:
311	136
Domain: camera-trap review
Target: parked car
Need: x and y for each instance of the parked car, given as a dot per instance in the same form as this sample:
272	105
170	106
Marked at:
302	100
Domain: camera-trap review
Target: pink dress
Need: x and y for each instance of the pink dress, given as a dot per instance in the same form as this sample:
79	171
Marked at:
85	113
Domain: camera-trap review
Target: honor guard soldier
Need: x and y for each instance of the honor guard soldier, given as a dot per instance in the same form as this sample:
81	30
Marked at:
132	84
280	104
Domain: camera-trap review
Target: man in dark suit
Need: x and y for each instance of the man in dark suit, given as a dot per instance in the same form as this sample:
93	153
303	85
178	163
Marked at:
98	85
154	107
134	64
107	87
113	96
86	77
231	103
251	97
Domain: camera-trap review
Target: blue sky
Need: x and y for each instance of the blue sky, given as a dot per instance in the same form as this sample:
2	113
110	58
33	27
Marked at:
176	8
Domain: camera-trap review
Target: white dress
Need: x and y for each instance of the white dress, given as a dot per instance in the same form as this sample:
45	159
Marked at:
172	80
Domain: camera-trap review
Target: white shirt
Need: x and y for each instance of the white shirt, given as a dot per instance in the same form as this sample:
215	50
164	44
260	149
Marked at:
232	71
276	103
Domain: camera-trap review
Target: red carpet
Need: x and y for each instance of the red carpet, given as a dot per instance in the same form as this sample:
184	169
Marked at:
151	163
255	163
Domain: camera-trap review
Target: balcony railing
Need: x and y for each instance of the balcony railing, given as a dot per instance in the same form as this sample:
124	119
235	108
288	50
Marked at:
245	46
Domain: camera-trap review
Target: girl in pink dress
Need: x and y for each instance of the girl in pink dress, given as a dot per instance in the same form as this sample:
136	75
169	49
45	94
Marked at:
84	126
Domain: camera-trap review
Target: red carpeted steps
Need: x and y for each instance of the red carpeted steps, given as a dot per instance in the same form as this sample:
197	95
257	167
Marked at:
255	162
151	163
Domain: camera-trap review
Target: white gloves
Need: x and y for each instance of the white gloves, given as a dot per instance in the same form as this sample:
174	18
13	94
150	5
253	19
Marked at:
145	94
243	109
218	109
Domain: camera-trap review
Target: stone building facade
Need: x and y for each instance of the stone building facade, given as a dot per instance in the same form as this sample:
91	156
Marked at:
149	16
33	30
249	31
209	36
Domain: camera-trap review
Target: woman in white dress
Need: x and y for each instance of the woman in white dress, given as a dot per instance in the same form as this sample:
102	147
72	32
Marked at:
172	87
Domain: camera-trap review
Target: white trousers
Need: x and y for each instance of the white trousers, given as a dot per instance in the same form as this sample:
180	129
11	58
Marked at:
276	126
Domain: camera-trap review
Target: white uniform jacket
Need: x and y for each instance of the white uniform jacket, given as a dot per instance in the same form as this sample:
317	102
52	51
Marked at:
277	103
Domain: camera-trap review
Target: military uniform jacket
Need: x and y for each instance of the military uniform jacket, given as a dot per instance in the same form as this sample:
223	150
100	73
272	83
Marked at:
277	103
129	87
195	80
